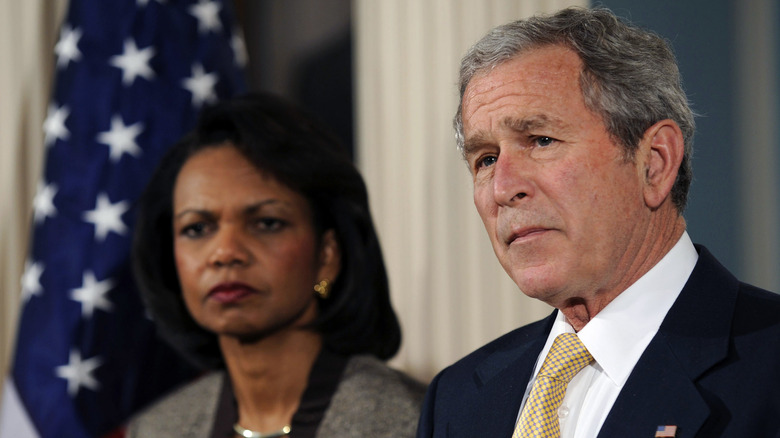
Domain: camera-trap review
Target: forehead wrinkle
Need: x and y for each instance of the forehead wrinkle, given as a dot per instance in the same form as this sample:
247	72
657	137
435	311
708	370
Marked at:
530	123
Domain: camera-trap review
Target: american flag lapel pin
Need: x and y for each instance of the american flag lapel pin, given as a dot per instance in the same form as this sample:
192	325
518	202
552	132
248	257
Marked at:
666	431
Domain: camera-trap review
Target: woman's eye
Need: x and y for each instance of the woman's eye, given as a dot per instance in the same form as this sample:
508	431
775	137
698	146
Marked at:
197	229
269	224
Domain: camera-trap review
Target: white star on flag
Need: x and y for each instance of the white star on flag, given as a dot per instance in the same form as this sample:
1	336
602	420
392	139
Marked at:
31	280
92	294
43	203
207	13
107	217
133	62
67	48
121	138
201	85
78	373
239	49
54	125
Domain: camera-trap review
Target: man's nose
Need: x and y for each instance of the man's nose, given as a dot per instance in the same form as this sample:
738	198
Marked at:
511	181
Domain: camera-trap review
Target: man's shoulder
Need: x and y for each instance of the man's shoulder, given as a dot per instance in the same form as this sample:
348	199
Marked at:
488	384
497	355
715	287
761	295
757	315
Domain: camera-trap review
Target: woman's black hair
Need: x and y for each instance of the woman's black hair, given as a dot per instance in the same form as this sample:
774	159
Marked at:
284	142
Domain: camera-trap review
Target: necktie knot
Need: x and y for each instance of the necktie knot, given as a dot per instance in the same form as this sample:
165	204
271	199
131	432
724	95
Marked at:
566	358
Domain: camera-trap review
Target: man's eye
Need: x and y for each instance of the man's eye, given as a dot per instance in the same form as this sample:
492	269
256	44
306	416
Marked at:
486	161
544	141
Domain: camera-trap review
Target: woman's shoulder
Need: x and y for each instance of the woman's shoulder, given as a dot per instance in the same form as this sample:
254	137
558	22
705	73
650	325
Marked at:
367	374
186	411
374	400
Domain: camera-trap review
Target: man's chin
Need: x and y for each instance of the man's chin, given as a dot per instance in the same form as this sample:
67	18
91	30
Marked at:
540	286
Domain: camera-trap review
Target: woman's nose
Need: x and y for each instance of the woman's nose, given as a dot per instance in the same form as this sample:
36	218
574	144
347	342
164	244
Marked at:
228	249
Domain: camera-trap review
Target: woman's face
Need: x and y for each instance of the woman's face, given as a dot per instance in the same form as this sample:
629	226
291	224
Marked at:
246	251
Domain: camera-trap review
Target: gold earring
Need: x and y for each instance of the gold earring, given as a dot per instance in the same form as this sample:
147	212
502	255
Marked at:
322	289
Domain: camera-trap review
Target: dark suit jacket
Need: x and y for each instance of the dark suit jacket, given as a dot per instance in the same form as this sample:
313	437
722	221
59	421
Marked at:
713	370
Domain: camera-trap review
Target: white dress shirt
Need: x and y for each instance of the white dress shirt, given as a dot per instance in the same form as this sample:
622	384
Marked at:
616	337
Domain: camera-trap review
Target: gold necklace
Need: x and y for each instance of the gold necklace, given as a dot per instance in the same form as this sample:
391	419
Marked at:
246	433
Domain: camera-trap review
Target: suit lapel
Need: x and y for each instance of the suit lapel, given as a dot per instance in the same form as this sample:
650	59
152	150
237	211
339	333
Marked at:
657	393
693	337
502	378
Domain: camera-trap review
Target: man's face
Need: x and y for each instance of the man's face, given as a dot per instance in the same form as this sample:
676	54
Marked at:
562	204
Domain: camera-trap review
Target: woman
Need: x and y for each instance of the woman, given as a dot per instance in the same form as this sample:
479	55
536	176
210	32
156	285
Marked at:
257	257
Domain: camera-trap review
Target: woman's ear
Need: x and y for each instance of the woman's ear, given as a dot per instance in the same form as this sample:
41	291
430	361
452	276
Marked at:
329	257
662	147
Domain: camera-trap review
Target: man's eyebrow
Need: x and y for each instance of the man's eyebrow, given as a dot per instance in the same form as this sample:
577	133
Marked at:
530	123
520	125
474	143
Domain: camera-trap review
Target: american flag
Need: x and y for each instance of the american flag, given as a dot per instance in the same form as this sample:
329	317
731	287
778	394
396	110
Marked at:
666	431
131	76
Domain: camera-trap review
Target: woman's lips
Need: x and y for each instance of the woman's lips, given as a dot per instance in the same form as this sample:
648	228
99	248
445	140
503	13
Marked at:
230	292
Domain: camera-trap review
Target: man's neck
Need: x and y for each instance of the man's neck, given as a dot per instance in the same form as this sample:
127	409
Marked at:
579	311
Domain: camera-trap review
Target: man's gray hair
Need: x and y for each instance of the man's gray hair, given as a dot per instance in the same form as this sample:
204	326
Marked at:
630	76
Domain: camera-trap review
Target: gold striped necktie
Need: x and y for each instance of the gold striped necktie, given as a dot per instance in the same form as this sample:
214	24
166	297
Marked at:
566	358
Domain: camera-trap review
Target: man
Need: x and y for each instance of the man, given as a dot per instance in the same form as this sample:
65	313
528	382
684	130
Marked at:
578	137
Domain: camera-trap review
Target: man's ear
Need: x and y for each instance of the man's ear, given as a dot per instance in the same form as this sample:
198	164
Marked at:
663	148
